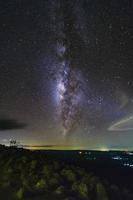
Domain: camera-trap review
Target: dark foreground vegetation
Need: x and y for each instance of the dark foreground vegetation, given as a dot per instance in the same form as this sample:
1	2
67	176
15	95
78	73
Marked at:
30	175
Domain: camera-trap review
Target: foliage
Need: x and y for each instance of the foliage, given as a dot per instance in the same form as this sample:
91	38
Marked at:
30	176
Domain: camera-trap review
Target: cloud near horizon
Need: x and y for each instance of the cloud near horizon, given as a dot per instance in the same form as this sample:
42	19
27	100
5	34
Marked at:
11	124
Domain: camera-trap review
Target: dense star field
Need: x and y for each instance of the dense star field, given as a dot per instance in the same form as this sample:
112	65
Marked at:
66	73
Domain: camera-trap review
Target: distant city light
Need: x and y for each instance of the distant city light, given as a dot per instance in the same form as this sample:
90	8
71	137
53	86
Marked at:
117	158
104	149
130	153
128	165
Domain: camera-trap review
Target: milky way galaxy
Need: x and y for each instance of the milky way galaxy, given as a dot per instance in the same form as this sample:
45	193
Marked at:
69	91
69	80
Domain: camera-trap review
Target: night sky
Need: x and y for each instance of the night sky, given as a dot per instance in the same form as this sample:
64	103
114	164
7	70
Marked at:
66	73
